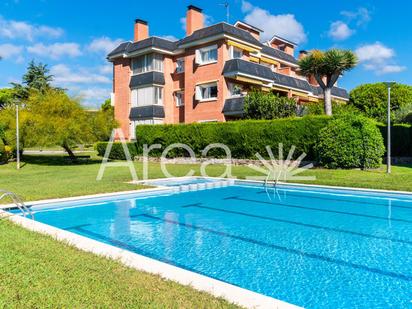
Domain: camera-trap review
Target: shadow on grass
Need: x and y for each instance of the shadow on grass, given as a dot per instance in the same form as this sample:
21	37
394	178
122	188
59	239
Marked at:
58	160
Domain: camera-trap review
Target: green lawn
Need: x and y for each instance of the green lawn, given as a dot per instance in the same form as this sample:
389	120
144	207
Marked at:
38	272
44	177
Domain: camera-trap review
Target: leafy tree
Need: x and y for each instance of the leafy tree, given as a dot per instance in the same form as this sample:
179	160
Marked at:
6	97
55	118
327	67
372	100
37	77
102	123
107	106
266	105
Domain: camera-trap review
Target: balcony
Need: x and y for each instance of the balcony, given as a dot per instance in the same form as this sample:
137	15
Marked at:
149	78
147	112
248	71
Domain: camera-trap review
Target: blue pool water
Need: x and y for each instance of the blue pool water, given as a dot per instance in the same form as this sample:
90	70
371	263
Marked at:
313	247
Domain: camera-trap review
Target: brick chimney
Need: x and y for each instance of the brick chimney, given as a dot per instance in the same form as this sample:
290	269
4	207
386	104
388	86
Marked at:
141	30
302	53
194	19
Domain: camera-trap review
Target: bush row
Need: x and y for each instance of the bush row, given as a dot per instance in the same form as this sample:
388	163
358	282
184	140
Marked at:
401	139
246	137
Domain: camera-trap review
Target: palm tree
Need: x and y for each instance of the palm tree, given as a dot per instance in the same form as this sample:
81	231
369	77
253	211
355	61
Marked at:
326	67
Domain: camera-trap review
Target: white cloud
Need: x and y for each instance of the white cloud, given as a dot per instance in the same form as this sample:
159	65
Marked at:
10	51
376	52
94	96
340	31
361	16
106	69
56	50
169	37
13	29
284	25
64	75
103	44
246	6
378	58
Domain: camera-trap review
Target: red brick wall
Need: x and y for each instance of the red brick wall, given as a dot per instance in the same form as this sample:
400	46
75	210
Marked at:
194	74
121	80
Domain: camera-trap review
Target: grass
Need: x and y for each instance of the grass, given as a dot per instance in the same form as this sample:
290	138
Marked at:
38	272
44	177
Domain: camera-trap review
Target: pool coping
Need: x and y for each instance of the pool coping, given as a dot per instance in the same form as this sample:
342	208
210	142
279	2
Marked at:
165	188
217	288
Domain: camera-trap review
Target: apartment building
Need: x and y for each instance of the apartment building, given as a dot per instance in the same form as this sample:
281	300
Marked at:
204	76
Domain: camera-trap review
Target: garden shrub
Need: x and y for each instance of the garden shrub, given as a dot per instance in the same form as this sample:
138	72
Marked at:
3	153
117	152
350	141
401	139
244	138
267	105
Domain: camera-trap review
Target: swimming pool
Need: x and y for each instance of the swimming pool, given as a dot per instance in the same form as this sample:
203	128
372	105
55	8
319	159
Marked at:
309	246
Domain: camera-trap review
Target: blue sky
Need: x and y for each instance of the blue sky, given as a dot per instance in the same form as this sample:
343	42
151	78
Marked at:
72	37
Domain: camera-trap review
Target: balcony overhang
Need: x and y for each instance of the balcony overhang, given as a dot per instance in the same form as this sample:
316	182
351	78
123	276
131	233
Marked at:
234	107
149	78
147	112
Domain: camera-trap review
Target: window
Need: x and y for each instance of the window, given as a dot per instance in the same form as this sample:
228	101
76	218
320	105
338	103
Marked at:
206	55
180	65
206	92
180	99
147	96
147	63
236	53
235	90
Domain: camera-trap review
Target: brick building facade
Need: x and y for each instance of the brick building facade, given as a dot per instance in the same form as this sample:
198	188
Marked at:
204	76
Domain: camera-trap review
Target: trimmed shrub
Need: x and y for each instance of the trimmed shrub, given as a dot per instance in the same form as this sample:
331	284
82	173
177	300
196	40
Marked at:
401	139
117	152
372	99
350	142
3	153
244	138
266	105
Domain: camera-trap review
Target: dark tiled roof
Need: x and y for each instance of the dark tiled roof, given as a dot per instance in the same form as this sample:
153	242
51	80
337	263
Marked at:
336	91
234	106
340	92
219	29
246	67
277	53
119	49
152	42
292	82
148	78
149	111
129	47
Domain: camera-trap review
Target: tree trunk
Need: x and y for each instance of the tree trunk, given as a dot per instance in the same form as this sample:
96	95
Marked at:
70	152
327	94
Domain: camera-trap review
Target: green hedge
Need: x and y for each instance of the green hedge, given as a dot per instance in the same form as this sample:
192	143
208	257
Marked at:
117	152
244	138
401	139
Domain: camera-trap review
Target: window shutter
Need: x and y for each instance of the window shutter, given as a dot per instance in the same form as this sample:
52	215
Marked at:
134	98
198	93
198	57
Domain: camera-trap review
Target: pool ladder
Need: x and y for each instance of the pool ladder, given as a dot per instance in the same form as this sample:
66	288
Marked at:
26	211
